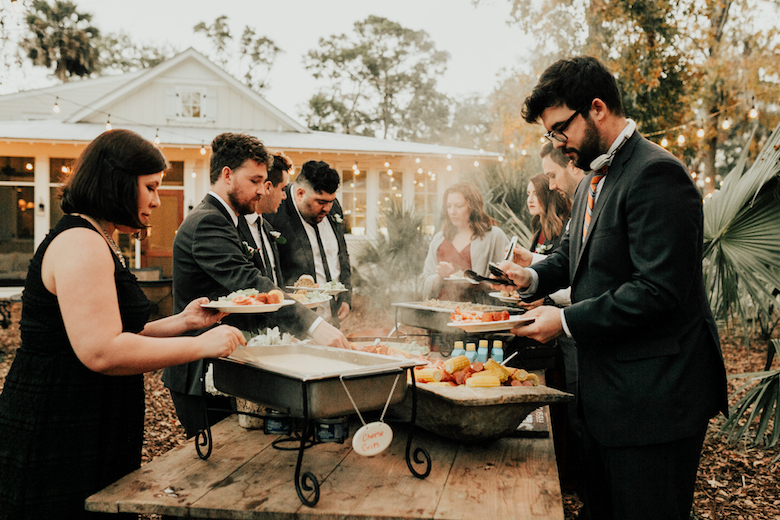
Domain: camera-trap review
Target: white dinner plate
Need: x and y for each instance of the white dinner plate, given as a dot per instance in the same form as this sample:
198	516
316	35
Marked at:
310	289
246	309
315	303
505	299
491	326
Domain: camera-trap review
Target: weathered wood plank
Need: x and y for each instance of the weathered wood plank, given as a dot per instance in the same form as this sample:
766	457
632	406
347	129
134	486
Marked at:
181	470
382	485
264	487
506	479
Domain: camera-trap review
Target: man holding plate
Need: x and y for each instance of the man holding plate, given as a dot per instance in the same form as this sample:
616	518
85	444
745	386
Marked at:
210	259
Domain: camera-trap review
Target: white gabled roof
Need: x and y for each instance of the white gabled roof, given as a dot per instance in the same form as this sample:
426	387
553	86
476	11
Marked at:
27	116
99	105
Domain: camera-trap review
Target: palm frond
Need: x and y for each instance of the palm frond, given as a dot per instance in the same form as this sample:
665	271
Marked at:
742	236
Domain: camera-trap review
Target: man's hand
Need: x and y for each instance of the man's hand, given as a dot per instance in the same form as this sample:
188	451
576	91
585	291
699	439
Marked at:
343	311
328	335
522	256
517	274
546	326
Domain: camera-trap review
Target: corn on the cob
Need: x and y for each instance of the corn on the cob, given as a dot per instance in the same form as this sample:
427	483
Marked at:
440	383
483	379
493	366
534	379
520	374
457	363
427	375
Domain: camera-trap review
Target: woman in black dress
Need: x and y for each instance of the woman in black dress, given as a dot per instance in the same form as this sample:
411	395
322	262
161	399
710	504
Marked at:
72	409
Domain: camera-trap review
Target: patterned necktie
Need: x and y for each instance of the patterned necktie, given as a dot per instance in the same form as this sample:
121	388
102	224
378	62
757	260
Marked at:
594	183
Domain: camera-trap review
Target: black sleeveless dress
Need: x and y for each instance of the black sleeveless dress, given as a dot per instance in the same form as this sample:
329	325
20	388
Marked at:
66	432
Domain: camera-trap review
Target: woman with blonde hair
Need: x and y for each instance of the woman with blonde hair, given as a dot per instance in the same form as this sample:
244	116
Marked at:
468	240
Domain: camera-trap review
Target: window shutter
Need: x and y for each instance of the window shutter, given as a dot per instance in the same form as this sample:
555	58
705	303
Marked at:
172	103
210	105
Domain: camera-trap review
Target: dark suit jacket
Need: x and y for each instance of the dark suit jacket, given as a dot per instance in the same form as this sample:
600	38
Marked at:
296	254
651	369
208	261
257	258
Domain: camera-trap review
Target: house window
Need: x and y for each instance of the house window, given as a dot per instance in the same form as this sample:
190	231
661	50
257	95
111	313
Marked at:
426	201
353	196
17	205
191	103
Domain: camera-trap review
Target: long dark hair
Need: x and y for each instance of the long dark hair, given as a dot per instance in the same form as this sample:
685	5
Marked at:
479	220
556	208
104	184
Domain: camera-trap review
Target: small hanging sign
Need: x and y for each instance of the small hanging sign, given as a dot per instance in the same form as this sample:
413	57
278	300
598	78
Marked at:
372	439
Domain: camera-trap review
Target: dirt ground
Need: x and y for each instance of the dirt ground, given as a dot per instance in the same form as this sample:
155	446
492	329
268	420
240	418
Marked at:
737	482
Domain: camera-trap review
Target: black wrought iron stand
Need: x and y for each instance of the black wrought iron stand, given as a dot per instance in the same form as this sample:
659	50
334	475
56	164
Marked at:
307	482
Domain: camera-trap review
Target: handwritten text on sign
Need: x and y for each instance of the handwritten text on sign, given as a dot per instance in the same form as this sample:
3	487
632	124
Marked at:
371	439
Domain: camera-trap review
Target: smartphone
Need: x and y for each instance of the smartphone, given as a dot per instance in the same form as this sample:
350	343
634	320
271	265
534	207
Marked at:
511	248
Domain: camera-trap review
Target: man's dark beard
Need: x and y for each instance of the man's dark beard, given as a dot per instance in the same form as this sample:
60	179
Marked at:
241	209
589	149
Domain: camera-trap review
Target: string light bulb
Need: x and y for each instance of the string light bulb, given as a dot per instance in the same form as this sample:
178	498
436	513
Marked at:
354	167
108	122
726	124
664	142
203	149
56	107
753	112
476	163
500	158
680	139
700	133
157	137
387	164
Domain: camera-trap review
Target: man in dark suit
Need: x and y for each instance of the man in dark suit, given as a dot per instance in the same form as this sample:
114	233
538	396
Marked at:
256	230
210	260
651	373
310	221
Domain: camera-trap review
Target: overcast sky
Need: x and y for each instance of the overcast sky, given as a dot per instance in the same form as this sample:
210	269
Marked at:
478	39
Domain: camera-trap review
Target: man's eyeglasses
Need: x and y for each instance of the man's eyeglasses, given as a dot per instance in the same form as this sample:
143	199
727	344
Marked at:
558	134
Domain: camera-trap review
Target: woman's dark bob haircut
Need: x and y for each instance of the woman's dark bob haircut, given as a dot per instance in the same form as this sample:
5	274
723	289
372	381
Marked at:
104	184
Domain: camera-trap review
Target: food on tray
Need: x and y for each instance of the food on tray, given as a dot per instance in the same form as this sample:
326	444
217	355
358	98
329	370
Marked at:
458	371
305	280
478	317
464	306
510	294
271	336
253	297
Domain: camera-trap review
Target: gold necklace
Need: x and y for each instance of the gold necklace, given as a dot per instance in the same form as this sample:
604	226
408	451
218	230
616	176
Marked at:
113	245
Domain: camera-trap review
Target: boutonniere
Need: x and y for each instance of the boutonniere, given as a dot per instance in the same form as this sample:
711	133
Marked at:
338	218
278	237
542	249
249	251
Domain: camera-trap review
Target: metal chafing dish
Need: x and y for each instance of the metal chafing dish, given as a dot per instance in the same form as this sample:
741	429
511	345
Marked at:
424	316
305	380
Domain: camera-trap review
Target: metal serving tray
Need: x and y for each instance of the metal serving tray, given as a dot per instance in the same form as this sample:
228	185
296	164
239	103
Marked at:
417	314
289	377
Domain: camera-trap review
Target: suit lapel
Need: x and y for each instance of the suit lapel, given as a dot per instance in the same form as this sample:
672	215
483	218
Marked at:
611	181
299	240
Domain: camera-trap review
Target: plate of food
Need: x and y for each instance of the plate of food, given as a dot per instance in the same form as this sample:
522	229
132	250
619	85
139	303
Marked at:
474	321
306	283
249	301
506	297
311	299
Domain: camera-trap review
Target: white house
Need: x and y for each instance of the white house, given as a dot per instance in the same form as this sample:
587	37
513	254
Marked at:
183	104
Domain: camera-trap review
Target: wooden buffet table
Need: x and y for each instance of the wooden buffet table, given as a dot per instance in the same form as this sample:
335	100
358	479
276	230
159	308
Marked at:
246	478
